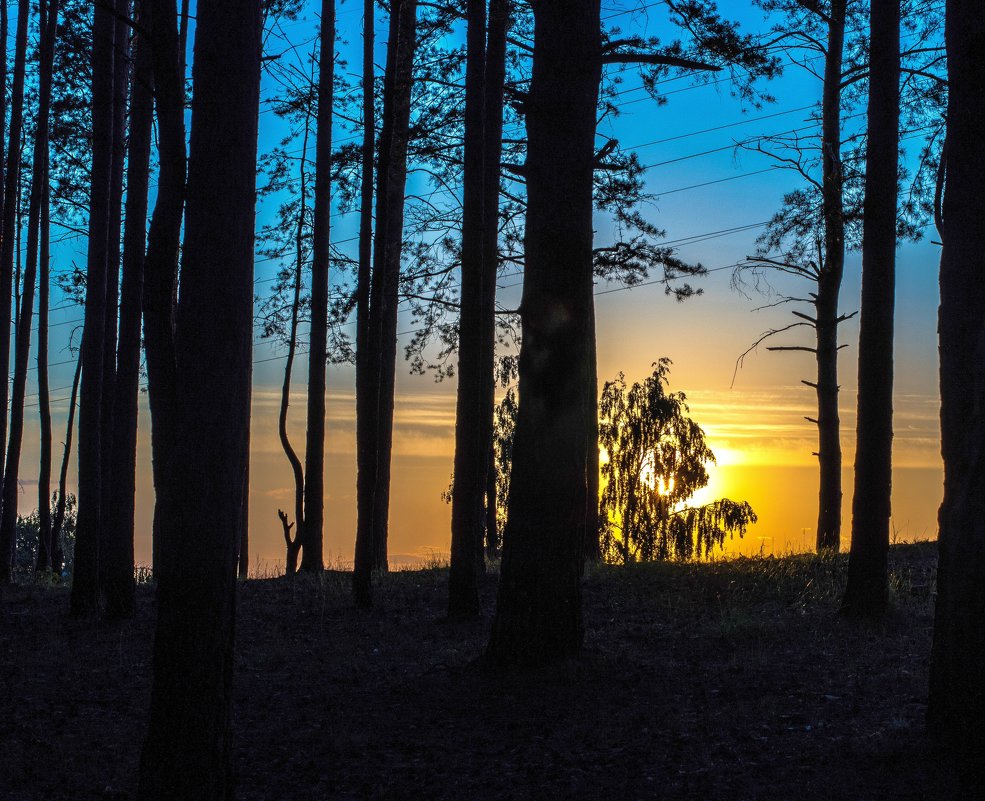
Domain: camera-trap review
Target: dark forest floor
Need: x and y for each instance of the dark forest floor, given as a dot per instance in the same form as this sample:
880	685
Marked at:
730	680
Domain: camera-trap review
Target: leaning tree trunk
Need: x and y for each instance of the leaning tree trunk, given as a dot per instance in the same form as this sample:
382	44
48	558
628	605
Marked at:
8	226
538	612
473	421
58	520
187	751
365	465
297	470
867	591
163	237
829	287
314	454
8	515
85	583
119	561
957	694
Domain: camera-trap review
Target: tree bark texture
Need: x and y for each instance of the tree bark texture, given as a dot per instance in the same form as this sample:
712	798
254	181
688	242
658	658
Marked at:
867	590
312	547
957	694
187	751
538	613
119	583
829	287
85	578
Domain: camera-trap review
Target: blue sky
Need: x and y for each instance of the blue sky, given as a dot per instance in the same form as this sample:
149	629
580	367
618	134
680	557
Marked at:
703	185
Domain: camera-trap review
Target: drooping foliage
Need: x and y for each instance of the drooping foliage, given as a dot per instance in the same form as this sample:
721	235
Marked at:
655	460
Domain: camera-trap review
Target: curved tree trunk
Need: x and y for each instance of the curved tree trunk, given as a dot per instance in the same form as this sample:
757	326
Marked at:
829	287
187	751
314	454
538	612
161	260
119	584
58	521
297	471
867	591
957	694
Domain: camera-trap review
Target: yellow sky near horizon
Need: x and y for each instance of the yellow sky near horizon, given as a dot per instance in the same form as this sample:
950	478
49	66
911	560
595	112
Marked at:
762	442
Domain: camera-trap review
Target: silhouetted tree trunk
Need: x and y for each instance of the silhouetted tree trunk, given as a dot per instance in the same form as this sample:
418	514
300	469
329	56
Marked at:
829	287
294	543
45	540
5	286
113	554
161	261
485	76
957	694
593	532
8	226
8	516
387	248
867	590
314	454
500	14
57	551
365	468
473	421
85	578
375	433
243	561
538	613
119	524
492	522
4	33
187	751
